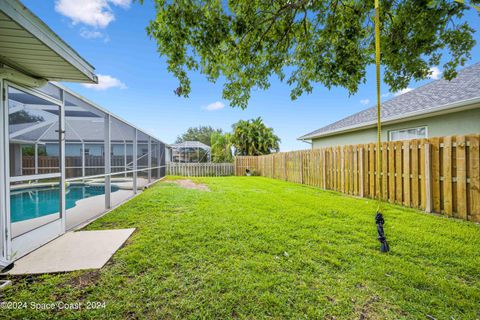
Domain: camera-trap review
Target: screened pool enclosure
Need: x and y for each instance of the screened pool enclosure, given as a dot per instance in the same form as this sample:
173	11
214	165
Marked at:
68	161
64	161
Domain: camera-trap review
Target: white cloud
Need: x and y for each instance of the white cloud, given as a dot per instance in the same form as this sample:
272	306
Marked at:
435	73
105	82
94	34
408	89
217	105
365	101
91	34
386	95
121	3
95	13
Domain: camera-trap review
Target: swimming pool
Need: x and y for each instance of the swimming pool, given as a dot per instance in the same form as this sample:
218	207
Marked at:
32	203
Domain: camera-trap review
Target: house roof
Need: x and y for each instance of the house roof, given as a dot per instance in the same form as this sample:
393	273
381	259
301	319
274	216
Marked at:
28	45
435	96
190	144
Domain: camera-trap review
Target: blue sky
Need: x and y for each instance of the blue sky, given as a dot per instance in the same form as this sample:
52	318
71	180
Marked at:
111	35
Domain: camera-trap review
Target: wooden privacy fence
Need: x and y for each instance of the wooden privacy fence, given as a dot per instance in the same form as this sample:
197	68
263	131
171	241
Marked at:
73	164
200	169
437	175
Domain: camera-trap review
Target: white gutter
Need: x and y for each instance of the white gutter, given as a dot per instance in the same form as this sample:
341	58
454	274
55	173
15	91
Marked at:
444	109
306	141
18	141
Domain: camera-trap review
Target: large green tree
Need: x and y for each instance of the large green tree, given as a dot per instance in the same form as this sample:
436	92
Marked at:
304	42
23	116
200	133
254	138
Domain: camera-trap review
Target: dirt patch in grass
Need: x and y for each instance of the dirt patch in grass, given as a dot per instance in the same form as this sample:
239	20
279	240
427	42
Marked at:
365	311
189	184
84	280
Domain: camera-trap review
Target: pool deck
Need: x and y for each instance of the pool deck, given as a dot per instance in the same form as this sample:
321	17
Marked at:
73	251
84	210
89	208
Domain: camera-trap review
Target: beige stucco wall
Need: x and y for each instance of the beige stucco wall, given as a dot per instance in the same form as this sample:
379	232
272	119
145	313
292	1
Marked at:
463	122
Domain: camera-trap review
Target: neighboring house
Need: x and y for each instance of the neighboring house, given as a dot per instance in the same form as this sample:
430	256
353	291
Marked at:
190	151
439	108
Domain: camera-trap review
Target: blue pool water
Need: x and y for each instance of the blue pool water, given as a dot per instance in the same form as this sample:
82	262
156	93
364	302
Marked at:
36	202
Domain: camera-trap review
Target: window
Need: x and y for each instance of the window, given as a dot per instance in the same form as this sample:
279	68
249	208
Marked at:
407	134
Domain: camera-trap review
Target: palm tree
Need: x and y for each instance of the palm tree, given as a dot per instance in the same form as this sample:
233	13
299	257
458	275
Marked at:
253	138
221	147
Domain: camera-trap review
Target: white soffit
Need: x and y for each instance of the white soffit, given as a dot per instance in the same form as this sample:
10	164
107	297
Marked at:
30	46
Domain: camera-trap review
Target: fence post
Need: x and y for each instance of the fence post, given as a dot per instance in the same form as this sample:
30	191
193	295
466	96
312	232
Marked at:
36	158
461	156
360	175
428	179
447	168
301	167
342	169
273	165
324	168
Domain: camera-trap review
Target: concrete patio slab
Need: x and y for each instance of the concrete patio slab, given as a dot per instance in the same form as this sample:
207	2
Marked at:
73	251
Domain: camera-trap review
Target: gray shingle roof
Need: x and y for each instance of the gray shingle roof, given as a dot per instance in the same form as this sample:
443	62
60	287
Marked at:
424	99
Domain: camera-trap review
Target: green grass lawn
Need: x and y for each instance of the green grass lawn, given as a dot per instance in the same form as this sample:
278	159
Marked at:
260	248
